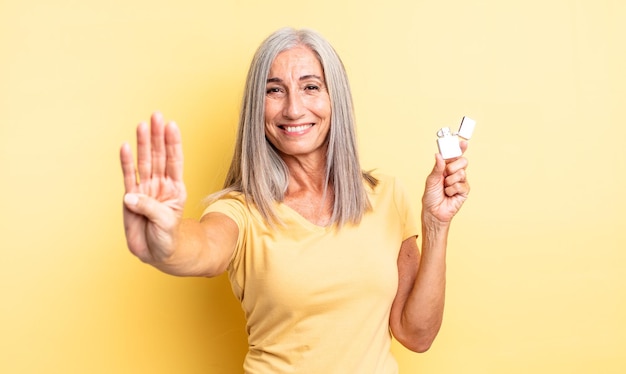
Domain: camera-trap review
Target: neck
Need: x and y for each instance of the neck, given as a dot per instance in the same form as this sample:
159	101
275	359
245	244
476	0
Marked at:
306	174
307	192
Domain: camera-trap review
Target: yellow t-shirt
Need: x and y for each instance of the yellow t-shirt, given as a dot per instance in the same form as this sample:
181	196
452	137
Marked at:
317	299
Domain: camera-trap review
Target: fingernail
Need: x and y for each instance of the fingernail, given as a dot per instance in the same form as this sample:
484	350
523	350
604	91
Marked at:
131	199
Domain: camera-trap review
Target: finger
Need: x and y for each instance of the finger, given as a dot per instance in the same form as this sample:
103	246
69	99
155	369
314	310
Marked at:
440	165
456	165
457	177
128	168
460	188
157	140
174	152
148	207
437	174
463	144
135	227
144	163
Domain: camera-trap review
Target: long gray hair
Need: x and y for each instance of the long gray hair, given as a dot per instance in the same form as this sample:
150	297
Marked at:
256	169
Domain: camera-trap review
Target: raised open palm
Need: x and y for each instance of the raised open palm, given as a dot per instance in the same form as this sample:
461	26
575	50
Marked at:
154	191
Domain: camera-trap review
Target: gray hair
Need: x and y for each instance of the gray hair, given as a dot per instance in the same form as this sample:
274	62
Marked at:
258	171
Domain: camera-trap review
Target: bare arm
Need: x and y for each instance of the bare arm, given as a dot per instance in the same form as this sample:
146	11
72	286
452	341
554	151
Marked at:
417	310
154	198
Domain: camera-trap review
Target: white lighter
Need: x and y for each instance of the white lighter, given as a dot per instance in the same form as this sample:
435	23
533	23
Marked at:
448	142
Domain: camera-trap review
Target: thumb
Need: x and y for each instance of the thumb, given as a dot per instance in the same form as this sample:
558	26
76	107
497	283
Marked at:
144	205
440	166
434	180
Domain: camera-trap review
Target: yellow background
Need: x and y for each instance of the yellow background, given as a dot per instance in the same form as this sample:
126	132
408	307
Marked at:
537	255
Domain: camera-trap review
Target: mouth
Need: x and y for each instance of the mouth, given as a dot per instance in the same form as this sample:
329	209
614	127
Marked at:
292	129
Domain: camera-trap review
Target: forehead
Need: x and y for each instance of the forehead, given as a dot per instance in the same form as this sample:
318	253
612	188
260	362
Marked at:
300	60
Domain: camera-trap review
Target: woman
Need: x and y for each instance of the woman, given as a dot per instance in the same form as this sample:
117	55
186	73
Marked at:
322	256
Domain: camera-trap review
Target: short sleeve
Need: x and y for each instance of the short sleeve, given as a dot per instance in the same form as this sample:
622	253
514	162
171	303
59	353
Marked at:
405	210
234	208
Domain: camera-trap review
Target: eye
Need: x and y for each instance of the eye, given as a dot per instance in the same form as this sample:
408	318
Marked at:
311	87
272	90
275	92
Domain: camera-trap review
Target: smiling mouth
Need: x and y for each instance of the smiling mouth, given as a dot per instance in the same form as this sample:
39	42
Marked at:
293	129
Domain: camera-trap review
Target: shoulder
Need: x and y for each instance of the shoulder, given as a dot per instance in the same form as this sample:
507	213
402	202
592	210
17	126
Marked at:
388	189
391	195
231	203
385	183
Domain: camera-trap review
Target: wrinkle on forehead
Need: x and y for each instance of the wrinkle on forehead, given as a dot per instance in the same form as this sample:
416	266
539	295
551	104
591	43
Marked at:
297	63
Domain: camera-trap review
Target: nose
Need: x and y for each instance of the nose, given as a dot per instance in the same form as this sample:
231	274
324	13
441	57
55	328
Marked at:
294	106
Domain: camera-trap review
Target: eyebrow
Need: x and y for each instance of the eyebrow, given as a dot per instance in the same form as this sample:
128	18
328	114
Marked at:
302	78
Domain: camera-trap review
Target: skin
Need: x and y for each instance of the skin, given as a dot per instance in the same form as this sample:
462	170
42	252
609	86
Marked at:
296	99
417	310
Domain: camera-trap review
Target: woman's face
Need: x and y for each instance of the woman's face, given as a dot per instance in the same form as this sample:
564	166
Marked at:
297	105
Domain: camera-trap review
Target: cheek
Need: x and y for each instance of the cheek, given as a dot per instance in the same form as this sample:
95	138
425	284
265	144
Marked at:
320	107
272	108
269	131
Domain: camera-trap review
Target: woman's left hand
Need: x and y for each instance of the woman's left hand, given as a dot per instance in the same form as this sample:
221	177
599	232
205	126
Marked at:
446	189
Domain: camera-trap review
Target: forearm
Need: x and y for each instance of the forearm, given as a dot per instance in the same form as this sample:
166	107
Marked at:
422	314
182	255
197	250
417	312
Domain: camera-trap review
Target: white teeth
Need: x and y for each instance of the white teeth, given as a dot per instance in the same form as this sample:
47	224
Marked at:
297	128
